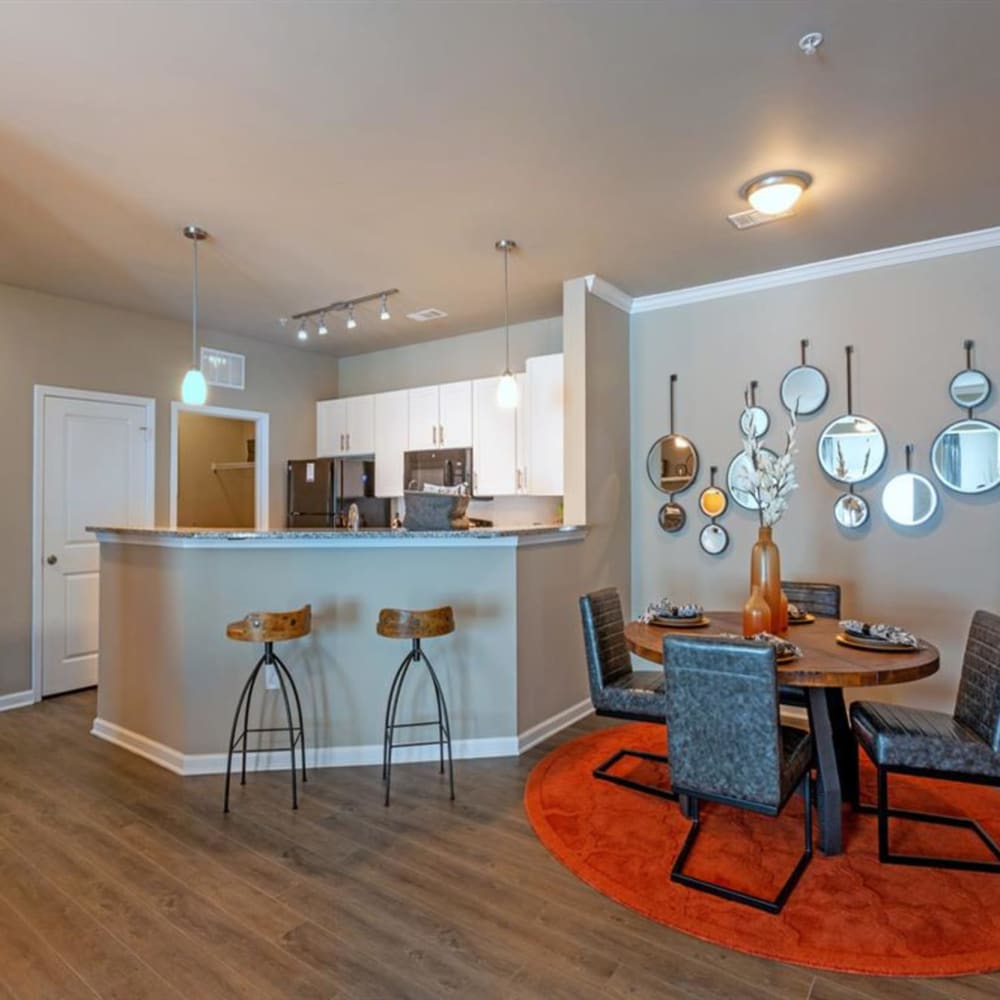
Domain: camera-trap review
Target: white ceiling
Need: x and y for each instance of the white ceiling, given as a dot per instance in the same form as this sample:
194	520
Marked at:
333	149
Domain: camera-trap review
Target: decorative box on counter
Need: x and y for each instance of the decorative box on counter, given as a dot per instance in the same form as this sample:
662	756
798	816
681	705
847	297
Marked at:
435	511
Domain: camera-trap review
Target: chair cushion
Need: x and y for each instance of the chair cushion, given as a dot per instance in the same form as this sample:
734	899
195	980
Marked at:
897	736
638	693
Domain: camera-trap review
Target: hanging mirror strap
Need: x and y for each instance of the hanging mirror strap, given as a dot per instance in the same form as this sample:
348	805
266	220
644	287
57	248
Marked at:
849	350
803	344
673	379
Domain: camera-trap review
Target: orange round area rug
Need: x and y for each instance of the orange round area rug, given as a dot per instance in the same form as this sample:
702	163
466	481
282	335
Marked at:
848	914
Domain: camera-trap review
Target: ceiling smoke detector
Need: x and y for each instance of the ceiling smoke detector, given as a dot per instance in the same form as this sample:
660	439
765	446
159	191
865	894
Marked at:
424	315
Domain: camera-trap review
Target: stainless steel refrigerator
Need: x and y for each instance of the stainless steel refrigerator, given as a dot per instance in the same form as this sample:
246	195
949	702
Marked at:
320	491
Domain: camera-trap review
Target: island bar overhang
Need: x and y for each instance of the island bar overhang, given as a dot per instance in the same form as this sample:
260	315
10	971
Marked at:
169	678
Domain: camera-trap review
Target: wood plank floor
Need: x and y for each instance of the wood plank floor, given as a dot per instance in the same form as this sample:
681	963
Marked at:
118	879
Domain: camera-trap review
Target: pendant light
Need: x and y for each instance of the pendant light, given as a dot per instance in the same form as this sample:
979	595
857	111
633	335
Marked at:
194	388
507	389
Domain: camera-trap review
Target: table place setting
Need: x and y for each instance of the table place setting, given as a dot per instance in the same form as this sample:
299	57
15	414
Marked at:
877	636
784	650
796	616
666	614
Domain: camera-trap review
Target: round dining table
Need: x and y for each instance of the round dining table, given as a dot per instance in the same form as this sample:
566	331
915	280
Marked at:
823	670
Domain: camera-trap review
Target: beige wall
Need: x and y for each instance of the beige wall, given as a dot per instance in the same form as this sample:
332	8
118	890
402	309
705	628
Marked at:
907	324
221	498
63	342
471	355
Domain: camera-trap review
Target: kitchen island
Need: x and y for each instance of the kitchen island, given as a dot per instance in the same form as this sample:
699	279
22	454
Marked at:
513	671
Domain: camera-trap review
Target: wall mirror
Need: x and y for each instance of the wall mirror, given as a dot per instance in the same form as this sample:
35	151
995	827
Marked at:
909	499
804	388
850	510
754	420
965	456
672	462
714	539
851	448
672	517
713	501
737	475
969	387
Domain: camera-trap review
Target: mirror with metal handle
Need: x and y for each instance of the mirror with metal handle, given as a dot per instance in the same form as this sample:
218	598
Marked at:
754	420
714	539
965	456
804	389
737	480
909	499
970	387
850	510
672	517
672	462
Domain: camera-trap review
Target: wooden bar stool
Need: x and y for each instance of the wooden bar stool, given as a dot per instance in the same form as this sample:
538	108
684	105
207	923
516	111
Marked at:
395	623
269	627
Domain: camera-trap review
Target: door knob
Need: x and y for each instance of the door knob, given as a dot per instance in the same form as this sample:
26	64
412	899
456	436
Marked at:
52	560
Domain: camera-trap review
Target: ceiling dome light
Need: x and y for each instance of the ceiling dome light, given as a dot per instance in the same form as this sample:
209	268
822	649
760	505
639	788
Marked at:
351	321
322	329
384	313
777	192
303	333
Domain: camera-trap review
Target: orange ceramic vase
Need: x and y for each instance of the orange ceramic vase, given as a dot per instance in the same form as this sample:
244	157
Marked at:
765	573
756	614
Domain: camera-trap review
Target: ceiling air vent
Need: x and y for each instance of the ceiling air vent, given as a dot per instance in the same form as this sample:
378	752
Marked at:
751	217
427	314
223	369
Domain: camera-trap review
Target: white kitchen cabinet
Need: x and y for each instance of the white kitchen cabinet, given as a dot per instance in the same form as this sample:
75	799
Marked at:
391	441
440	416
522	421
345	426
494	442
543	411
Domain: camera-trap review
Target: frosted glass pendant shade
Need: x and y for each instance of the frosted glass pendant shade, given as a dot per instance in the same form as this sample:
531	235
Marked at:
507	391
194	388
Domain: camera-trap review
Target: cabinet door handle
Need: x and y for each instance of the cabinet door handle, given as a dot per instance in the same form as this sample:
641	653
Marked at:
441	433
475	482
518	480
434	433
348	440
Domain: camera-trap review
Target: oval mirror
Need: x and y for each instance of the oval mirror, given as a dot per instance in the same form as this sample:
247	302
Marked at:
851	449
754	421
672	517
909	499
804	390
850	510
966	456
714	539
969	388
736	480
672	464
713	501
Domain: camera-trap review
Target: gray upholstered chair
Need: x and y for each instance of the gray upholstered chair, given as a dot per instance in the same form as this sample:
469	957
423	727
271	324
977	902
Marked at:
727	744
964	746
822	599
616	690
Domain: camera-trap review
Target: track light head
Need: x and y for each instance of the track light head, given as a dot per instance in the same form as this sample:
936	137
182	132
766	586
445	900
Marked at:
384	312
351	321
303	333
322	329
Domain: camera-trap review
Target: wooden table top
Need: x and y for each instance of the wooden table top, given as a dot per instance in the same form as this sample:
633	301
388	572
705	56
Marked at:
824	661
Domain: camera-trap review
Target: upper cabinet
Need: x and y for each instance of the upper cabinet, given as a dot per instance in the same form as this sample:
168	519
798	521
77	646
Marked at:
494	443
345	426
543	409
391	440
440	416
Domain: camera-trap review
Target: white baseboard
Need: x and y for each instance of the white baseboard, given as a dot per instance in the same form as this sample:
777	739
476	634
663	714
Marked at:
553	724
347	756
16	700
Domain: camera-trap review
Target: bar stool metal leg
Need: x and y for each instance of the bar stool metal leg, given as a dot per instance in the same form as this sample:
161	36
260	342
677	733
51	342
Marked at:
391	727
232	733
400	672
291	737
298	708
444	725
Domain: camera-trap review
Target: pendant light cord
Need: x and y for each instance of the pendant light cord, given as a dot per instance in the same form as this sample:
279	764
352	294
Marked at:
506	307
194	309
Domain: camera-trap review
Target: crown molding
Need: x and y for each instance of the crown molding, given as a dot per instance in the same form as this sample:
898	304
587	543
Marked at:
982	239
609	293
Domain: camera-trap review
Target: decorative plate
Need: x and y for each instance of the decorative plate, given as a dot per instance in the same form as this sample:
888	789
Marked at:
806	619
786	658
880	645
699	622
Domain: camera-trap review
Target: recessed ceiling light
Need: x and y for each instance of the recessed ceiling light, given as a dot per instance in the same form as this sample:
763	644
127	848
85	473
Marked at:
777	191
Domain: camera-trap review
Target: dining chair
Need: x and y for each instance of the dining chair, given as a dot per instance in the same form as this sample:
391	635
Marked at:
964	746
616	690
727	745
821	599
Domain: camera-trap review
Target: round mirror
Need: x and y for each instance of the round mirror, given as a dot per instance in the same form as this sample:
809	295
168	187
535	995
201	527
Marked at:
969	388
804	390
851	449
672	517
966	456
672	464
714	539
737	476
713	501
909	499
754	421
850	510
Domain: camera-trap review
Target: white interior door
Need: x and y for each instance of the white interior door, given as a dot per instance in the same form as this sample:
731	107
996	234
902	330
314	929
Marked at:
95	471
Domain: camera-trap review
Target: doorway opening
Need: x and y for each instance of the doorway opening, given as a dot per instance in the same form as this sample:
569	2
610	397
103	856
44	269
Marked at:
218	468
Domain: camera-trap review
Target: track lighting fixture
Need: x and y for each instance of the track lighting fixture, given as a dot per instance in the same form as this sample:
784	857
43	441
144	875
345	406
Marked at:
343	305
194	388
507	388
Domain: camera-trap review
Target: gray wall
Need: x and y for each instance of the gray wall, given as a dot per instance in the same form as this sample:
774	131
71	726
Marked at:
471	355
68	343
907	324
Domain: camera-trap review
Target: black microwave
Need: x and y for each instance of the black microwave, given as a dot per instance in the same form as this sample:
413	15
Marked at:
443	467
